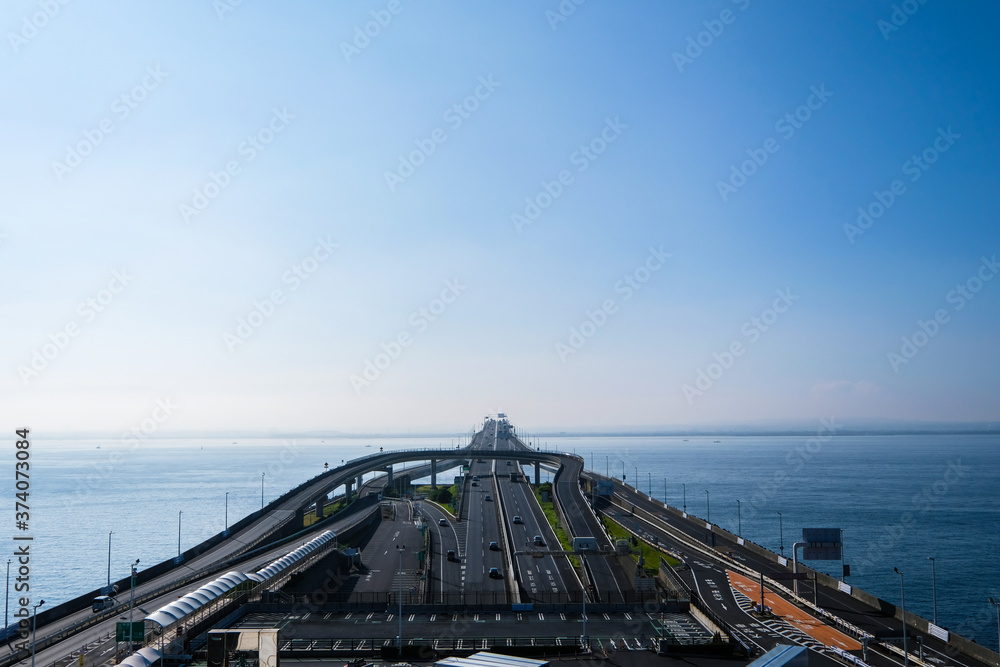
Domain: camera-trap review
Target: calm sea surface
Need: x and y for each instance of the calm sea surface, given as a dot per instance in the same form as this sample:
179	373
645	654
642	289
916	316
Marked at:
899	500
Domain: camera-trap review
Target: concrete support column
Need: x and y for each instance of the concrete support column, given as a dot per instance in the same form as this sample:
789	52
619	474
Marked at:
538	473
319	507
347	490
388	482
434	473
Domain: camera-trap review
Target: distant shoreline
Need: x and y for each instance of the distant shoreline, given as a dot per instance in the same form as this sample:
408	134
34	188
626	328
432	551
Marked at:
543	434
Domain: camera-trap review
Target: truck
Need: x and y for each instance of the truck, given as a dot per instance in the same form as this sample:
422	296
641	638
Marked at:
584	544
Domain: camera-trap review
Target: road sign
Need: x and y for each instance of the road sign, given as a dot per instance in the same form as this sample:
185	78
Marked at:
121	631
822	544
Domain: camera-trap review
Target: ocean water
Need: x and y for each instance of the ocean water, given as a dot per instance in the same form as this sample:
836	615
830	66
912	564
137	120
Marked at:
898	499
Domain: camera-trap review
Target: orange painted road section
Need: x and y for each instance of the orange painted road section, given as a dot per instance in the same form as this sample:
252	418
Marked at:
802	621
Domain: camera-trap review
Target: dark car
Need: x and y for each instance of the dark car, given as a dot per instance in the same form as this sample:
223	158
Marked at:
494	546
495	573
517	519
442	522
451	555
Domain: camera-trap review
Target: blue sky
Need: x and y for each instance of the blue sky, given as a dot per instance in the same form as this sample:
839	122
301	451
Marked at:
121	120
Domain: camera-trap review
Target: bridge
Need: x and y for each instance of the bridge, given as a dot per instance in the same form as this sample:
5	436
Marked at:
584	565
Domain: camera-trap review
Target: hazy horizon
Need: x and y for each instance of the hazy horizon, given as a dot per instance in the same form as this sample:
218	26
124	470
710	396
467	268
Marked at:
397	217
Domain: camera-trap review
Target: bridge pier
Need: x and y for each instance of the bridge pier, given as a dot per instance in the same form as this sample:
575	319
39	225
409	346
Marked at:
538	473
388	482
434	474
348	490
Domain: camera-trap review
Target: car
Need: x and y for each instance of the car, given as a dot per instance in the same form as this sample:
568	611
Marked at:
442	522
495	573
475	484
494	546
509	463
451	555
102	602
539	542
517	519
488	497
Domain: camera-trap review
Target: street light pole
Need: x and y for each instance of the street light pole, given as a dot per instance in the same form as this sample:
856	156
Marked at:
109	560
34	627
684	490
997	605
262	490
131	603
179	512
933	587
781	535
902	596
650	476
399	638
6	603
739	519
227	513
708	506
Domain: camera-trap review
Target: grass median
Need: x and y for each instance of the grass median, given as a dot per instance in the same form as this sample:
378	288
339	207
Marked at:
549	508
650	554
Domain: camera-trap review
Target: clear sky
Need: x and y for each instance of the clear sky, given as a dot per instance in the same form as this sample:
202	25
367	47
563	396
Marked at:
611	214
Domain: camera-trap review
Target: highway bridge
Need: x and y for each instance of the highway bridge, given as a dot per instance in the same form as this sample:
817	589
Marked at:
495	569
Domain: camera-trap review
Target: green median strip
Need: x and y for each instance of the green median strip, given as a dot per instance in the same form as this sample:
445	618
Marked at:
650	554
549	510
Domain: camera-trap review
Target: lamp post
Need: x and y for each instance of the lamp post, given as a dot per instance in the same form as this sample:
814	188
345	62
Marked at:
34	627
902	597
109	560
664	491
684	490
708	506
179	512
262	490
997	605
781	535
6	601
933	587
399	638
623	472
227	513
650	476
131	602
739	519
